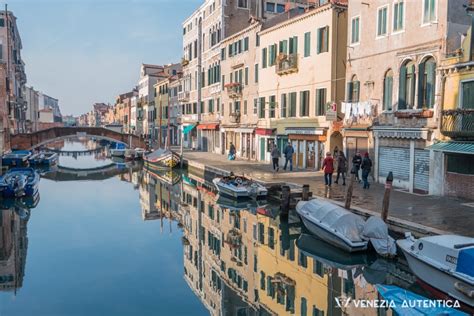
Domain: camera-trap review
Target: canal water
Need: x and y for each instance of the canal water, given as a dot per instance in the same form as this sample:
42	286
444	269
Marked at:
109	238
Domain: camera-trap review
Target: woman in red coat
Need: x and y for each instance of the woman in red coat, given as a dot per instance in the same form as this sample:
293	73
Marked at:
328	168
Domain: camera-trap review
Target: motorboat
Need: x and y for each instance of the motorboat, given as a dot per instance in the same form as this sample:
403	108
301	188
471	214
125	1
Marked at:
344	229
16	158
232	204
118	150
161	159
239	187
43	159
445	262
139	153
18	182
405	302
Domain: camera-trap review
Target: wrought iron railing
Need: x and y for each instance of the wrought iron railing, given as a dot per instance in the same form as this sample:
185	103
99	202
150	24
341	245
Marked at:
458	123
234	90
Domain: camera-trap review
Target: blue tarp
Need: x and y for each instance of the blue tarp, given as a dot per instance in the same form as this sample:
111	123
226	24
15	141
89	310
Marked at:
120	146
466	262
188	128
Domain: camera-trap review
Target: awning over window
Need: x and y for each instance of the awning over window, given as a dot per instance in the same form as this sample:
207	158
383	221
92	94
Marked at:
188	128
264	131
466	148
208	126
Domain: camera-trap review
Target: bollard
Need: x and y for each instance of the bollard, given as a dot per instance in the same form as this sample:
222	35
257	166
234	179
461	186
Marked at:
285	199
386	196
350	187
305	193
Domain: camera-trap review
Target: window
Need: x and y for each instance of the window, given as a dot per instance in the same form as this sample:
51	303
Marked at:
210	106
246	76
318	268
353	90
320	102
271	232
307	44
317	312
272	105
261	113
256	73
304	103
292	112
283	105
246	44
467	95
304	308
398	16
293	45
242	4
426	83
264	58
280	8
388	91
283	47
355	30
323	40
270	7
382	21
245	107
406	91
272	55
429	11
255	106
223	53
237	108
463	164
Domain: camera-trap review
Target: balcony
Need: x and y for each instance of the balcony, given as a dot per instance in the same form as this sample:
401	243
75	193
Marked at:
458	123
234	90
286	64
183	96
235	117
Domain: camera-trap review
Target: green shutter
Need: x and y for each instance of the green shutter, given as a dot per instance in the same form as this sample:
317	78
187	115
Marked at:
326	38
246	76
295	43
349	91
402	102
413	85
264	58
280	47
319	41
285	46
307	44
256	73
387	96
357	91
421	84
430	83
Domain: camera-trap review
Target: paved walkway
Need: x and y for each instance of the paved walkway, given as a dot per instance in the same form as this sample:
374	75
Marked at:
447	214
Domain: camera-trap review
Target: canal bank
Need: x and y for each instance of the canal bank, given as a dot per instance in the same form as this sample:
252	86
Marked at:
420	214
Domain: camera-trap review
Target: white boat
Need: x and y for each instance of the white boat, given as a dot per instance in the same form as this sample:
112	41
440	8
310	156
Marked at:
239	187
118	151
445	262
344	229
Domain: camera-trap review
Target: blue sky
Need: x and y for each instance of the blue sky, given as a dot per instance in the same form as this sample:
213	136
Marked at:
89	51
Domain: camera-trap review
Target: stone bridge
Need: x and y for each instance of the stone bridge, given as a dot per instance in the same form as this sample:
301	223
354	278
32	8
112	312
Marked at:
40	138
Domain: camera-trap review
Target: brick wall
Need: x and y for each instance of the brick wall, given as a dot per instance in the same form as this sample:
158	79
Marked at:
459	185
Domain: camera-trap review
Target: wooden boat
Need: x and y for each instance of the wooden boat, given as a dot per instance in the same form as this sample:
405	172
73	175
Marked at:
161	159
165	176
445	262
118	150
239	187
43	159
16	158
18	182
405	302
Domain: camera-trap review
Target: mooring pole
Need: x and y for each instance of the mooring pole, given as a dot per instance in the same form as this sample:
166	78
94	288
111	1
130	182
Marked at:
285	200
350	187
305	192
386	196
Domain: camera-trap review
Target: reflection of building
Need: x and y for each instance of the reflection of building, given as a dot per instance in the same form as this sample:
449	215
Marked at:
13	247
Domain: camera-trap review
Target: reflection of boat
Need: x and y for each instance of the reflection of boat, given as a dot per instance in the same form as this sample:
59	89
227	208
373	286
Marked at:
165	176
19	182
405	302
239	187
446	262
344	229
16	158
46	158
237	205
330	255
161	159
134	154
23	202
118	150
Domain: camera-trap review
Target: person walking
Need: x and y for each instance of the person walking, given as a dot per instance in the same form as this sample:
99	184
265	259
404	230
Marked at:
366	167
341	168
288	152
232	151
356	162
275	158
328	168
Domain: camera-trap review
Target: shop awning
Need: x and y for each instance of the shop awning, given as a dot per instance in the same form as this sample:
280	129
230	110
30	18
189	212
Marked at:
466	148
188	128
208	126
264	131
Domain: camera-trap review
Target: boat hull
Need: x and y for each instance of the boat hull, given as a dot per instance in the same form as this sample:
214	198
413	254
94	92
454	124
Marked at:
331	238
117	152
167	161
436	278
30	187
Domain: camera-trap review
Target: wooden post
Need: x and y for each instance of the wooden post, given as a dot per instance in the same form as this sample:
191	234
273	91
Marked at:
350	187
386	196
285	199
305	193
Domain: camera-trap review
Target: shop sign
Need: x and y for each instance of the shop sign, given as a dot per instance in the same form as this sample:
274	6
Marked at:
331	111
401	134
303	131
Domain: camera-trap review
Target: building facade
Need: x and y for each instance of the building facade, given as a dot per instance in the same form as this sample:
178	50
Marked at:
32	114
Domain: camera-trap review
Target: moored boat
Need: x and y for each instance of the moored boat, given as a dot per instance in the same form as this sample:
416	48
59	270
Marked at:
161	159
118	150
18	182
16	158
239	187
445	262
43	159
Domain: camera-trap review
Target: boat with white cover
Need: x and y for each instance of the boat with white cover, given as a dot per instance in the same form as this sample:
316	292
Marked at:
445	262
345	229
239	187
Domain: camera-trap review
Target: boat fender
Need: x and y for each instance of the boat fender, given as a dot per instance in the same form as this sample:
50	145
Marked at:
465	289
238	180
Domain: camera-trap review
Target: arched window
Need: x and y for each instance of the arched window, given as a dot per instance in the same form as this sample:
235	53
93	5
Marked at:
406	92
426	83
353	90
388	90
